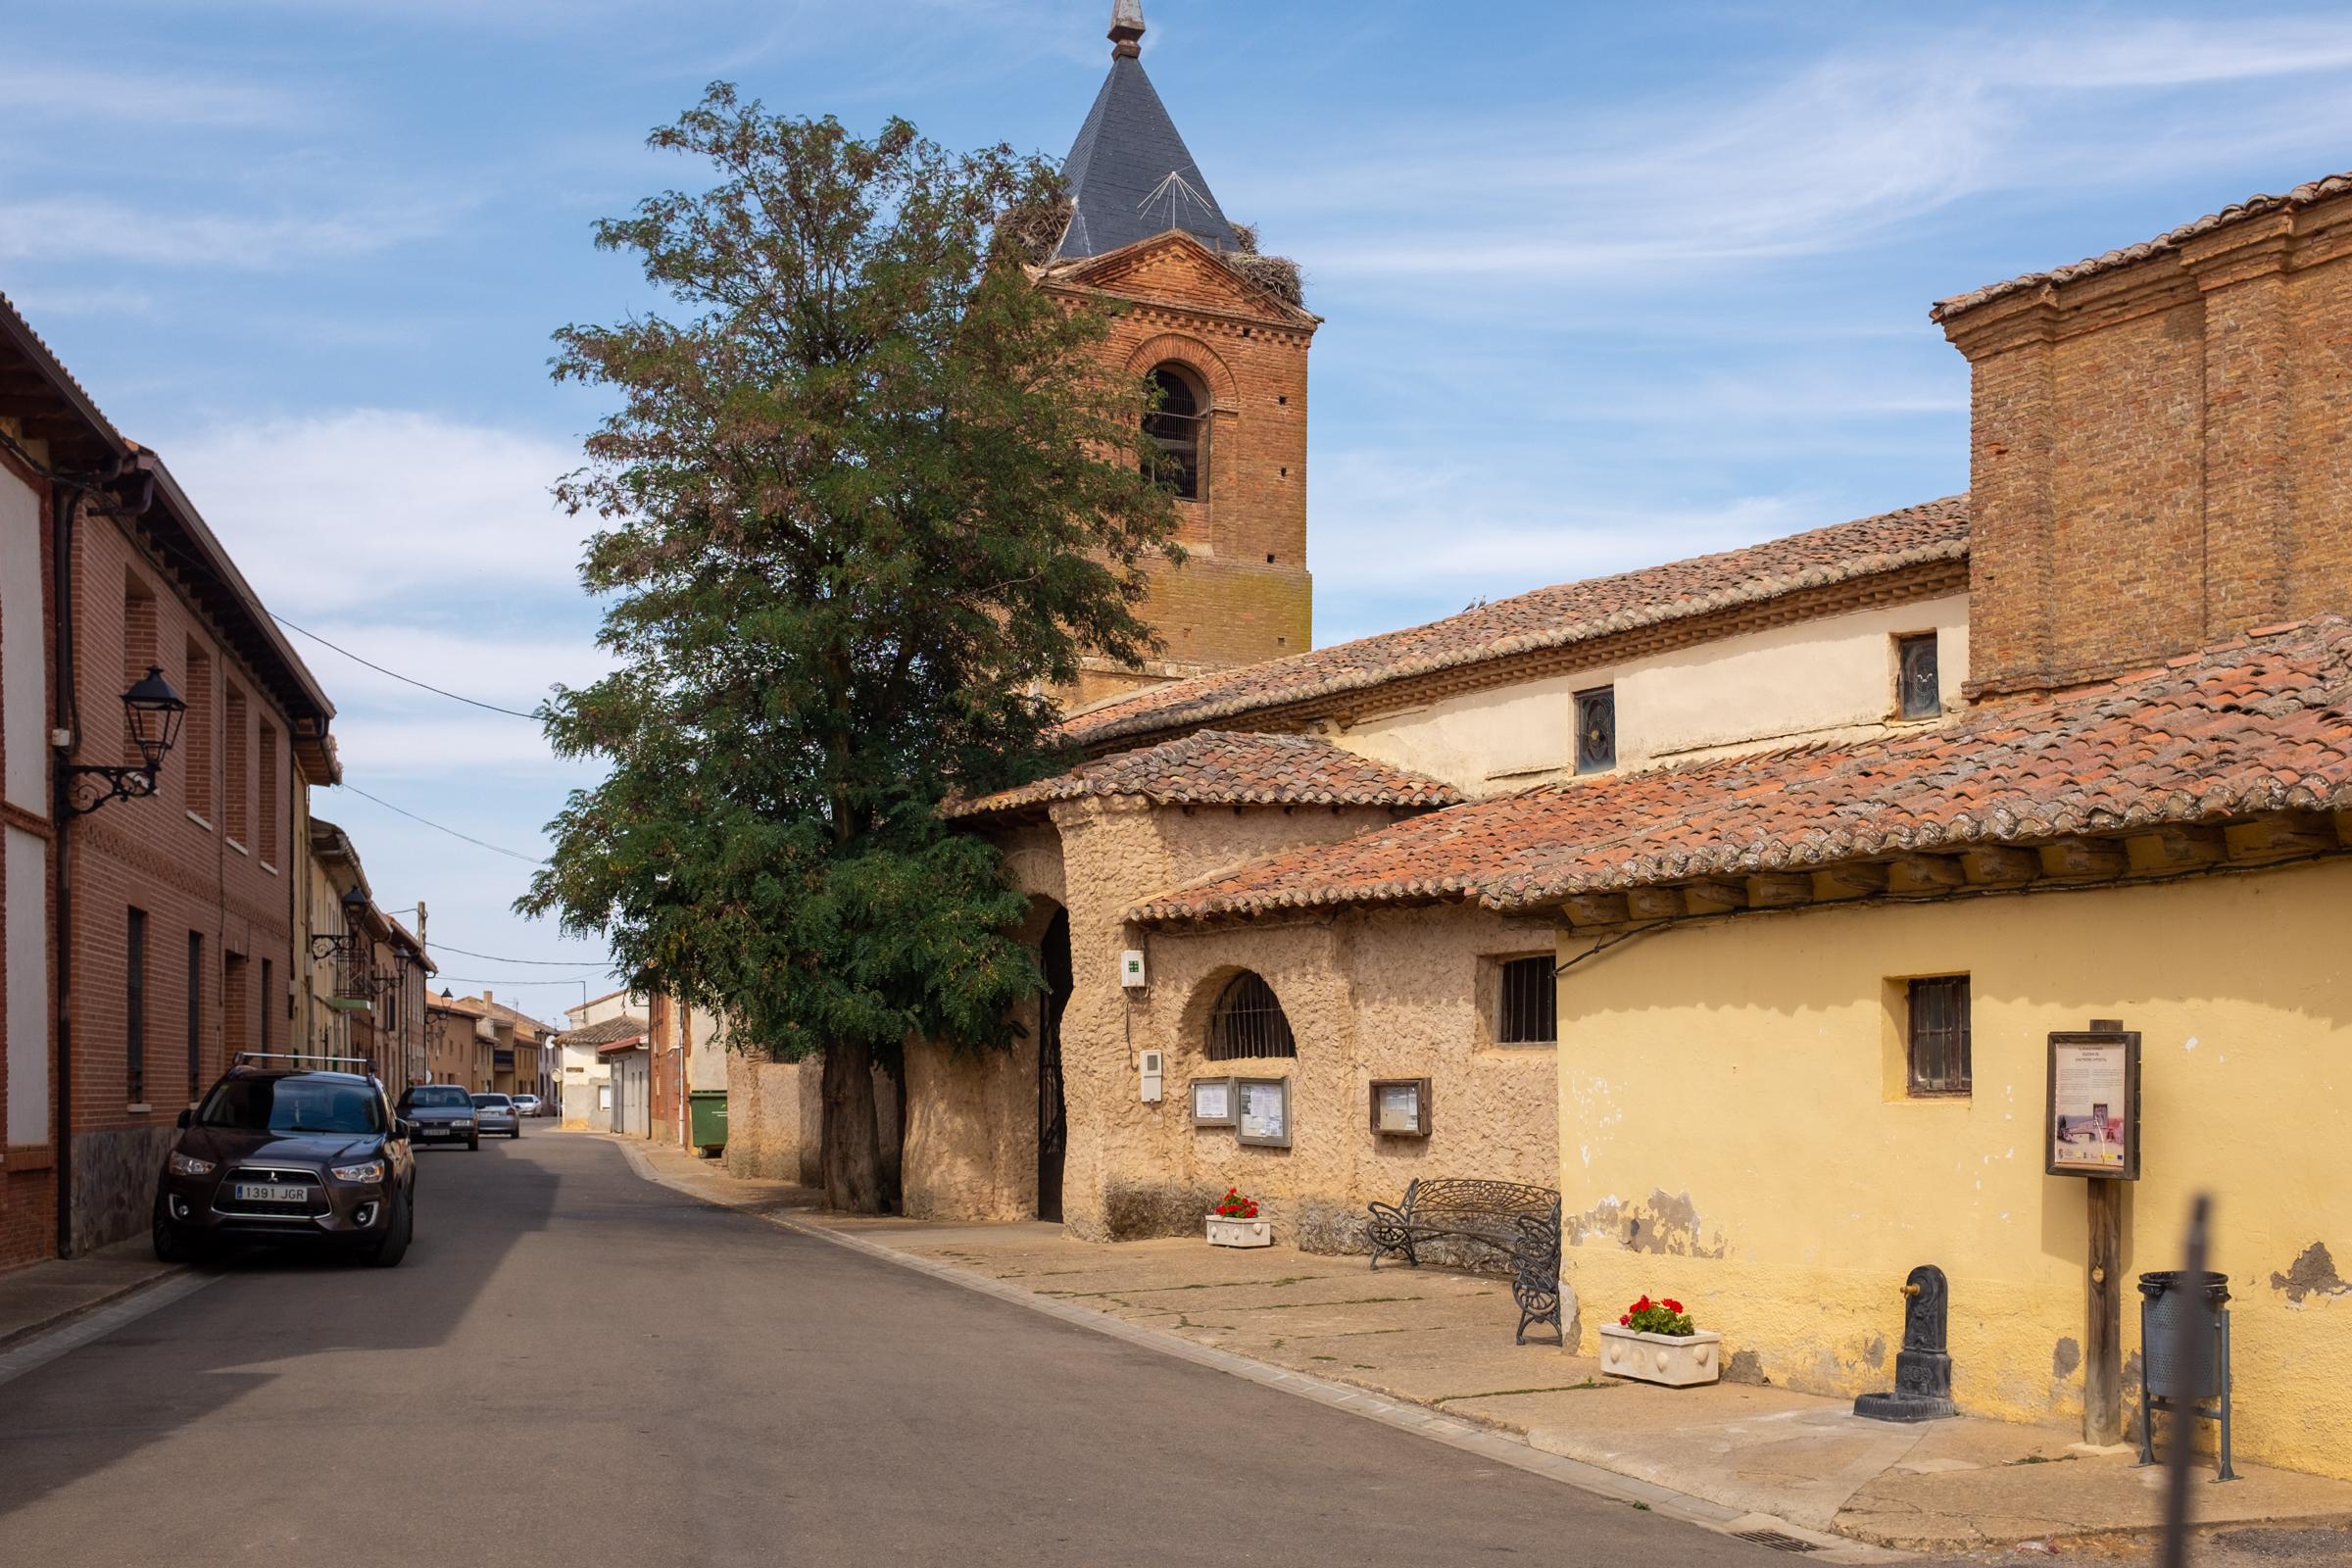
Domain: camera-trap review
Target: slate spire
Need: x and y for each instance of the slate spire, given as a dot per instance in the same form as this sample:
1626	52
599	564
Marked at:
1130	174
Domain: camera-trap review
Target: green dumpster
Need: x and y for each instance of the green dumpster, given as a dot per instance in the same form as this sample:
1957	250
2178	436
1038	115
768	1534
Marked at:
707	1110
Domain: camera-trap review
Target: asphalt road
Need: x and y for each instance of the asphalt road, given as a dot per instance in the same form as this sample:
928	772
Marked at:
576	1366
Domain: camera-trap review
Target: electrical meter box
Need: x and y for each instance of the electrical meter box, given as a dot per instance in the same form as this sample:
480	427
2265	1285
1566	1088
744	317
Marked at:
1131	968
1153	1077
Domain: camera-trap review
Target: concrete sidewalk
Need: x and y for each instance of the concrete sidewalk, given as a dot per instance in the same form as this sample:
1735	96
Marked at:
1442	1340
42	1295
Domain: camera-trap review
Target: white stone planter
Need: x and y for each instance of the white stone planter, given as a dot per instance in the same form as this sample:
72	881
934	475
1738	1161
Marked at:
1223	1232
1677	1360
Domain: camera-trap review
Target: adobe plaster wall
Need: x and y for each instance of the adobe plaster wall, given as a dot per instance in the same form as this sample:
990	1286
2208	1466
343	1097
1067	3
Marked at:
1734	1133
772	1119
1389	995
1134	1169
1829	678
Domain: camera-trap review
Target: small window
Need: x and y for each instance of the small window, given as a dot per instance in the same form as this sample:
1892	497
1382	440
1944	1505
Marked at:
234	793
1919	685
1527	1012
266	828
1596	730
195	1013
1937	1036
197	735
134	1009
1175	424
1248	1021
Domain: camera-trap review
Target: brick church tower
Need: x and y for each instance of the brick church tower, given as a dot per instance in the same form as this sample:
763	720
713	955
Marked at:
1198	311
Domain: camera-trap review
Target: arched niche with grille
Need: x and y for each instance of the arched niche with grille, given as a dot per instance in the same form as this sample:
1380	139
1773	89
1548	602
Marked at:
1179	426
1246	1021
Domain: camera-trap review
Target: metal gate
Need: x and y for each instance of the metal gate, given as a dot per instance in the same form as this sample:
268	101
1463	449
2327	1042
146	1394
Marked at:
1052	1123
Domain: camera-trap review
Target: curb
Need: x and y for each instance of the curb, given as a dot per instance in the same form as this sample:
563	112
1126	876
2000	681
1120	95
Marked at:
81	1310
1454	1432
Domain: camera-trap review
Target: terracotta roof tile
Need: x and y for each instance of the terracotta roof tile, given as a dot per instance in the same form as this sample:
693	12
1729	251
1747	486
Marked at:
2256	726
604	1033
2305	195
1217	767
1547	617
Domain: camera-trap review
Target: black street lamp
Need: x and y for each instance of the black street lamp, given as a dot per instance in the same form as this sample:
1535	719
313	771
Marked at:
335	945
151	713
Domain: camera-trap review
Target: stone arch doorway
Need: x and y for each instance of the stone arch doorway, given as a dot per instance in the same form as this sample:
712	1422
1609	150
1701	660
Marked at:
1052	1116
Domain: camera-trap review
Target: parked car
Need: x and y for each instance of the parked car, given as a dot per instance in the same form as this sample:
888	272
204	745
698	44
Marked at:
443	1114
529	1105
290	1154
495	1113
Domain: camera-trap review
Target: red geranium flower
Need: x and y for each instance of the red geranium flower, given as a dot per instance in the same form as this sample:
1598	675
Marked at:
1643	1305
1671	1304
1626	1321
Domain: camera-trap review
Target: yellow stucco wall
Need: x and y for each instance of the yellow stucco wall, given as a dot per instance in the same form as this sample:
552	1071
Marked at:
1829	678
1730	1095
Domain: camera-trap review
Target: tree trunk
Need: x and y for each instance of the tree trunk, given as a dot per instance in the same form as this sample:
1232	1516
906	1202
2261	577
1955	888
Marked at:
852	1146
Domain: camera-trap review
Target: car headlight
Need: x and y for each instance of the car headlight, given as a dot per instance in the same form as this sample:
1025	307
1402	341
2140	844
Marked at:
464	1121
371	1171
189	1165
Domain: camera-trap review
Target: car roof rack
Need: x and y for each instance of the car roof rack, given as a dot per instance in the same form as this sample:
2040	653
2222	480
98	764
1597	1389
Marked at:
249	1057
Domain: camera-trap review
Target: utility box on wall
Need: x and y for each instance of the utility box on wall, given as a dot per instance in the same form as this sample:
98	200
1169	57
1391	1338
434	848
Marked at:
1131	969
1152	1076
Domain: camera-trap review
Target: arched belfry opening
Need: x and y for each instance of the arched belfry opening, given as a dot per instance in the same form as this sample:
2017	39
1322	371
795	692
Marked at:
1053	1112
1179	424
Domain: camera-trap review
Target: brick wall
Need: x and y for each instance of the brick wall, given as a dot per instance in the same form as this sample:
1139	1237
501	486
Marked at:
2161	451
178	864
1245	595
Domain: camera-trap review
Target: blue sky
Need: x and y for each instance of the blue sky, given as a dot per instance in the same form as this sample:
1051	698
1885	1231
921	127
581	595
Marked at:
1604	285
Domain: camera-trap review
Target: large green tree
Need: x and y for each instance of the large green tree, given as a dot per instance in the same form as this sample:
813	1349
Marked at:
866	497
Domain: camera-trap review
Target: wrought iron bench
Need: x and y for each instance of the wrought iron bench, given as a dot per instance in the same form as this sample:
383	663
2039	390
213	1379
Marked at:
1521	1223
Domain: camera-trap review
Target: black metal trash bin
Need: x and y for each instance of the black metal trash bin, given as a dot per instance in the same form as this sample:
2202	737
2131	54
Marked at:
2184	1384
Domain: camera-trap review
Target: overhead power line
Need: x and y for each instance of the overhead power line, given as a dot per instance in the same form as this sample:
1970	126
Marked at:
422	685
536	964
528	859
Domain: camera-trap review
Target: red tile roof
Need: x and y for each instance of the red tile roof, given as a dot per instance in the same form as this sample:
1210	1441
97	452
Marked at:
1217	767
1547	618
2305	195
2259	724
609	1034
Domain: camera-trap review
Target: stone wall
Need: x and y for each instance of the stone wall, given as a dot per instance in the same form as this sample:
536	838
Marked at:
115	1172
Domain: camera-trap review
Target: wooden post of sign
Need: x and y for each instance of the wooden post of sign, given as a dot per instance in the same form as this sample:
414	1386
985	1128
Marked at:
2103	1316
2103	1303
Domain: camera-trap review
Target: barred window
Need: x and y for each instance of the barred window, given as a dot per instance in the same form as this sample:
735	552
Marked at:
1938	1032
1596	730
1920	688
1527	1012
1246	1021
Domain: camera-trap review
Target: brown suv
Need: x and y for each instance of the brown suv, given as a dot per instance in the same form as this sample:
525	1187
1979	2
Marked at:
290	1154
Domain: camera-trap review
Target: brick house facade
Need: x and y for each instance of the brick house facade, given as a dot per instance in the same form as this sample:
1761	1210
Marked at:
168	918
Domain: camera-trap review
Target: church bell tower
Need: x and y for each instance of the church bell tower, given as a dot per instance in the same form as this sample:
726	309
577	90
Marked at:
1223	333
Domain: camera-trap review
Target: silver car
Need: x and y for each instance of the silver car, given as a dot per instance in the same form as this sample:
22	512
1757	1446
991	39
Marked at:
495	1113
529	1105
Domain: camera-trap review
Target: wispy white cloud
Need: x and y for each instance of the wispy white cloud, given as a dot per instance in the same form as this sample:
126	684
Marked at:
1391	523
120	94
97	228
1824	158
346	513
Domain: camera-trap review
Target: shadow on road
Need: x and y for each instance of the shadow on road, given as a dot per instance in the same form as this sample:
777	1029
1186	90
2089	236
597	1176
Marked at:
267	1308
